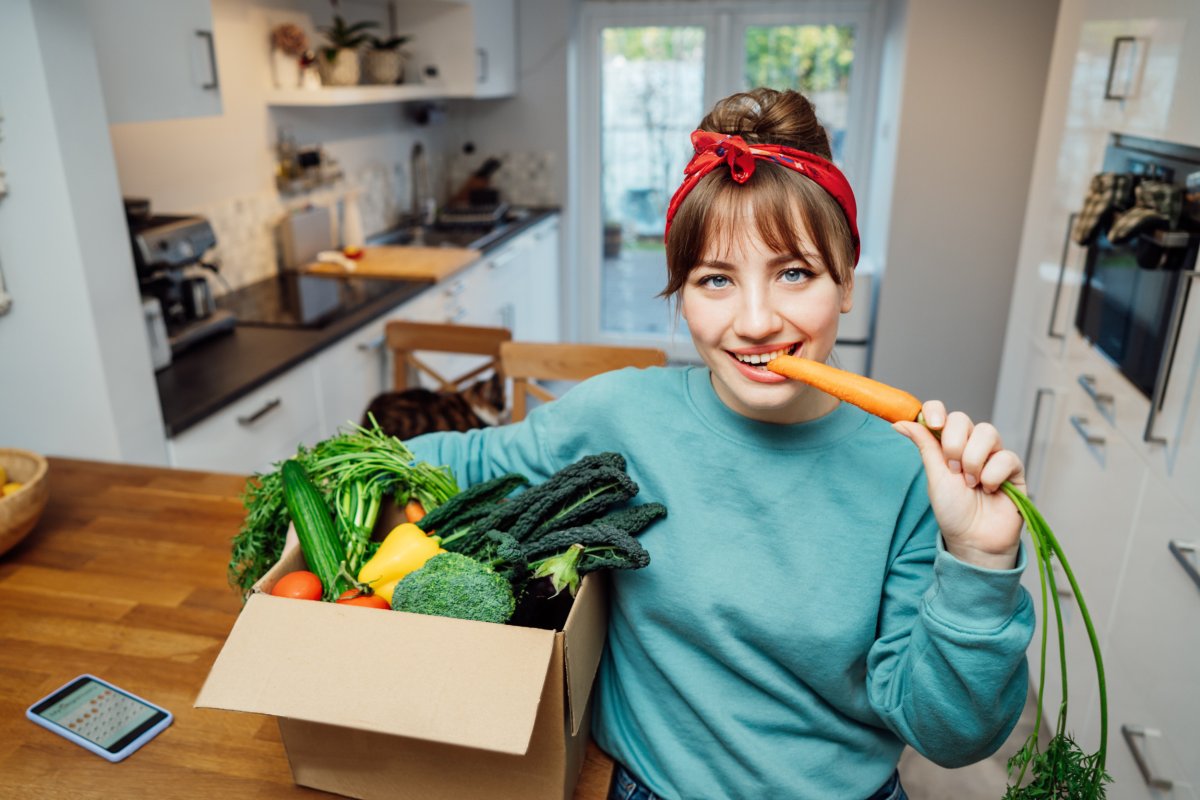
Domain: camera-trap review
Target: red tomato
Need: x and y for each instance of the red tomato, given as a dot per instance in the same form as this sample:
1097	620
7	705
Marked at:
353	597
300	585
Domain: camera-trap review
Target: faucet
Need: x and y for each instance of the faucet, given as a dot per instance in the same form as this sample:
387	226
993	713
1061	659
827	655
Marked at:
424	207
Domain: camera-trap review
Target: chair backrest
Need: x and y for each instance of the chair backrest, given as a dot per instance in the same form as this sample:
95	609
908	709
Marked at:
525	363
405	339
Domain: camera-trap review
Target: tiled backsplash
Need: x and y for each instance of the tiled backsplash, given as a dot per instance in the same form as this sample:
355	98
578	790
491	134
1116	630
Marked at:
526	179
245	226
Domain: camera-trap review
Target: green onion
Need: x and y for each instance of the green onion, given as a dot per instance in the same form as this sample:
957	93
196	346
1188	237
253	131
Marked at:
1062	769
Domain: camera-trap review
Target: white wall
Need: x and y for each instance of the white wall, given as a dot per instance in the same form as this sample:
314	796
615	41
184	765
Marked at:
75	374
970	97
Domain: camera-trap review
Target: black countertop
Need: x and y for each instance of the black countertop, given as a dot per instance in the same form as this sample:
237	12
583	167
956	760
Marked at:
212	374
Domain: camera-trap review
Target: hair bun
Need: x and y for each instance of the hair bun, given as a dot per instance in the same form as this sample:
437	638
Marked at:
770	116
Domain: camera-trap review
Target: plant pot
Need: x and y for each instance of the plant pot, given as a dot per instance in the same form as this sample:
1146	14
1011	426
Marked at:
341	70
384	67
285	70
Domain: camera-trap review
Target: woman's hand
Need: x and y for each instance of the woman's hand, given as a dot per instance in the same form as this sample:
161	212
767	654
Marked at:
966	468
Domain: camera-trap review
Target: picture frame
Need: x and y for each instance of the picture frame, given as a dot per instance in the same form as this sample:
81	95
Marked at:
1123	68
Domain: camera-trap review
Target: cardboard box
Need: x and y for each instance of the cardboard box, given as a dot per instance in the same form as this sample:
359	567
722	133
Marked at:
385	704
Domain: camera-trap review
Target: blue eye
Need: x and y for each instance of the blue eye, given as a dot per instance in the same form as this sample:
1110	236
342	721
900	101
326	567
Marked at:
715	281
795	275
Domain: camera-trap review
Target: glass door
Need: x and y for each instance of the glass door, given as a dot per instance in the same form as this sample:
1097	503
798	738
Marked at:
652	94
649	72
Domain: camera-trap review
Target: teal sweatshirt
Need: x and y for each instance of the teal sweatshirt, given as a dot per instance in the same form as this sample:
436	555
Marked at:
800	620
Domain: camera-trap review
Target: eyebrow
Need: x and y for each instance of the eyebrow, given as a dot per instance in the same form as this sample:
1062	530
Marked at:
774	262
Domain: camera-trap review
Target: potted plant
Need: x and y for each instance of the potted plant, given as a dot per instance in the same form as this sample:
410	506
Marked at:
384	62
338	61
288	44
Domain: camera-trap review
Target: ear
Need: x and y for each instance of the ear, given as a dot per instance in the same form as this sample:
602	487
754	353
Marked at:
847	290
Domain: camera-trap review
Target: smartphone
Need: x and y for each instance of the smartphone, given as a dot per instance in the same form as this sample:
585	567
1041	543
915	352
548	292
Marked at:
98	716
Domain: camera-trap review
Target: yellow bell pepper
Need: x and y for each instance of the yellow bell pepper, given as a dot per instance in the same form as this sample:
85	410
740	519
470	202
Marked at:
404	550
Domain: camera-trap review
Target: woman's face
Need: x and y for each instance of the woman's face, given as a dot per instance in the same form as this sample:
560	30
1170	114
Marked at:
744	304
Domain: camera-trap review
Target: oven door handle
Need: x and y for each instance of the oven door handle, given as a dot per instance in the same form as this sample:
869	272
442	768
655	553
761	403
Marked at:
1062	271
1183	286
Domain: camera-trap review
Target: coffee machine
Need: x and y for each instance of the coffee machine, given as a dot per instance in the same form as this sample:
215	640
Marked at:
168	253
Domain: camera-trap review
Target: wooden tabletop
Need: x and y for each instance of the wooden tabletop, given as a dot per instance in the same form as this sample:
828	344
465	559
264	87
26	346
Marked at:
124	578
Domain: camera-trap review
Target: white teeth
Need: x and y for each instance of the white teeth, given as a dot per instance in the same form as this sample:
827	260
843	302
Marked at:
761	358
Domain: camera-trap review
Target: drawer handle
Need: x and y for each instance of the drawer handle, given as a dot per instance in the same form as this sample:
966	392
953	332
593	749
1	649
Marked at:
1080	423
457	315
214	83
374	344
267	408
1131	733
1088	382
1185	553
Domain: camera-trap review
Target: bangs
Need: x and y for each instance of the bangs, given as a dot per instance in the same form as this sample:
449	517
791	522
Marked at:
781	205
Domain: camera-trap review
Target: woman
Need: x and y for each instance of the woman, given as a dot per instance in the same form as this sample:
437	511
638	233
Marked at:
819	594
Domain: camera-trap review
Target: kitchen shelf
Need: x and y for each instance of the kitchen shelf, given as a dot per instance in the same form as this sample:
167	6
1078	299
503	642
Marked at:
356	95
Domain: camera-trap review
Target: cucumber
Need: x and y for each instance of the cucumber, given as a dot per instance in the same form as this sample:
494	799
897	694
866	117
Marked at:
314	528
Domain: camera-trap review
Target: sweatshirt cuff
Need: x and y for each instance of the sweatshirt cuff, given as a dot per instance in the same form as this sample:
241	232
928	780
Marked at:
971	597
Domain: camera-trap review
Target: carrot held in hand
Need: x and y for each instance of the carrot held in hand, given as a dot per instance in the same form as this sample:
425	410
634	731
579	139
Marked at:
1060	769
871	396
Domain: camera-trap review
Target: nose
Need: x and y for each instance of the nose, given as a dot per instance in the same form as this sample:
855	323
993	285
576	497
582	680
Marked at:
757	317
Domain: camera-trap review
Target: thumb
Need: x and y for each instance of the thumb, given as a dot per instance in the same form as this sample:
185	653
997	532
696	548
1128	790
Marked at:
928	445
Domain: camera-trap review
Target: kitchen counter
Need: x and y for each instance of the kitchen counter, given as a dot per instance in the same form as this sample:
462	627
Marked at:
211	375
124	577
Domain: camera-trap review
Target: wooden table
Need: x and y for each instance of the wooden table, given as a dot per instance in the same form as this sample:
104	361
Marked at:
124	577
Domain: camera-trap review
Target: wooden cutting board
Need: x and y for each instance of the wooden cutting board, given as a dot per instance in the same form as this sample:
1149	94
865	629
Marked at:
402	263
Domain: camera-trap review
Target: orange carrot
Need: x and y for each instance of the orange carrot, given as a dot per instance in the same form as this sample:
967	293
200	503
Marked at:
414	512
871	396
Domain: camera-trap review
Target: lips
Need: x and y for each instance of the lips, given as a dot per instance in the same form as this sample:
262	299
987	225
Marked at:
759	356
752	362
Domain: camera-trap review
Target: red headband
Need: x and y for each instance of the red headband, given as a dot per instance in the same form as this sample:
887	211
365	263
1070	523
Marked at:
715	149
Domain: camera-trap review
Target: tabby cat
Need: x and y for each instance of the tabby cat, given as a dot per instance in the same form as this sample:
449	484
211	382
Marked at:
415	411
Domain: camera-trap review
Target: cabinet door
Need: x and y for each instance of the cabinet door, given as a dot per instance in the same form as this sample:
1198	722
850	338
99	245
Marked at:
1089	496
1155	637
350	374
542	321
254	432
156	60
495	47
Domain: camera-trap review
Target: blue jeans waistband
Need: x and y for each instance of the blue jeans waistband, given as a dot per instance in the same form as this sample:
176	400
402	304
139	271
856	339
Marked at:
625	786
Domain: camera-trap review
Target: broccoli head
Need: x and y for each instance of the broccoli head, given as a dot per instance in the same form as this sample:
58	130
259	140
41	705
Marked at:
455	585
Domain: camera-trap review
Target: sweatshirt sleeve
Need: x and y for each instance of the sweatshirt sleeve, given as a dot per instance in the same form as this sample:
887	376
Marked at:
948	673
484	453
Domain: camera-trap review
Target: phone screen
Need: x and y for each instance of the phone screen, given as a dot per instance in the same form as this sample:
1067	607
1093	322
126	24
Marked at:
105	716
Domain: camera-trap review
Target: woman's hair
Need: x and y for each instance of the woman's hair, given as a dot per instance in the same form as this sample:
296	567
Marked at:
718	208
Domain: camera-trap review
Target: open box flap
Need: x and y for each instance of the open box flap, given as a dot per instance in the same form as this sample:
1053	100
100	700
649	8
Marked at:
584	636
473	684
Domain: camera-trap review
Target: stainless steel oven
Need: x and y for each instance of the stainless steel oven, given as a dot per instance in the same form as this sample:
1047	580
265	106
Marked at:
1136	287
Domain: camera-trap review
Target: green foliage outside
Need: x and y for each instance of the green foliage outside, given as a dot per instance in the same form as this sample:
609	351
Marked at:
808	58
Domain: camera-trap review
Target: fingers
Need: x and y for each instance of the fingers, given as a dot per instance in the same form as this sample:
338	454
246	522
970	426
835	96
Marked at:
974	451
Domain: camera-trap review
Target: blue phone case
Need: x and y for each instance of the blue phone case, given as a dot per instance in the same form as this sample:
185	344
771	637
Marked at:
117	722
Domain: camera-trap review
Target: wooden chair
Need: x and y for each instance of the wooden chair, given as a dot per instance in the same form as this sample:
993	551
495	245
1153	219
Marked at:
406	339
525	363
412	406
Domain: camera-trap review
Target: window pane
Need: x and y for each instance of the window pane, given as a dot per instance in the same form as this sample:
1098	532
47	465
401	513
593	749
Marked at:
652	90
813	59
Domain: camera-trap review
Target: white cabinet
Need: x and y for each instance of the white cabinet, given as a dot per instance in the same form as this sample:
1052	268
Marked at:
254	432
540	317
349	374
495	47
1155	641
157	60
